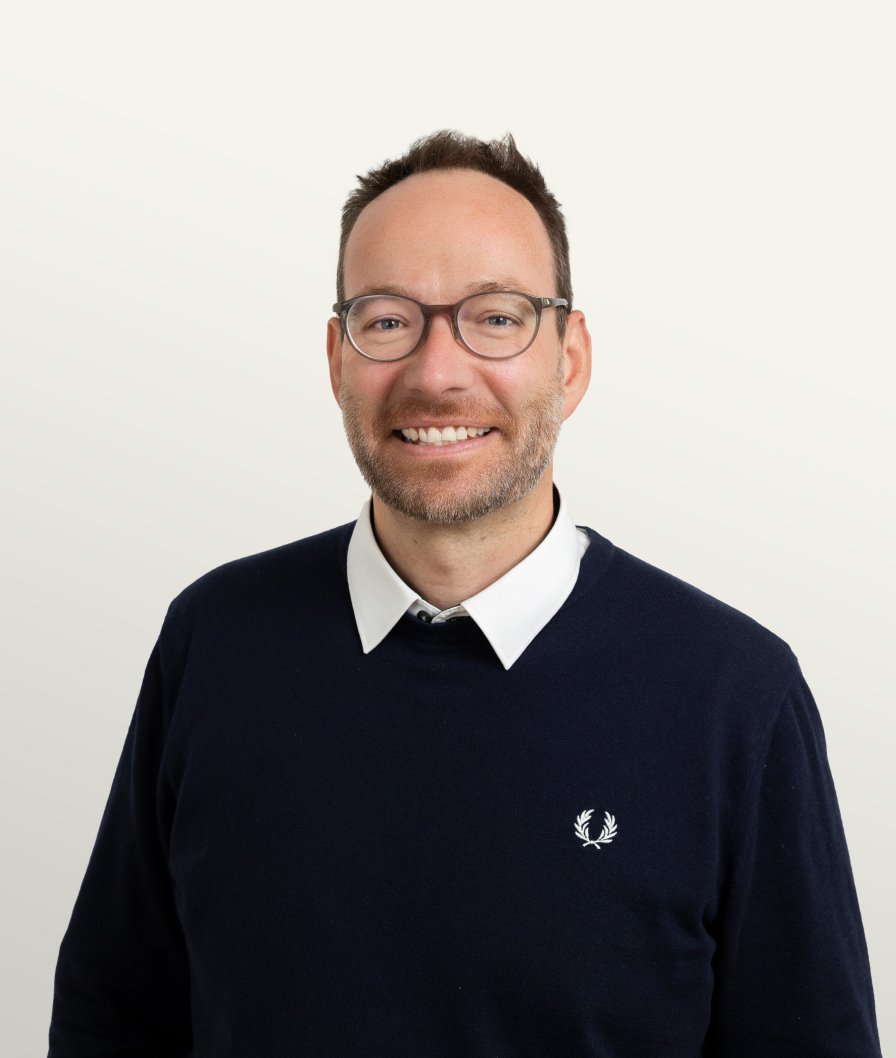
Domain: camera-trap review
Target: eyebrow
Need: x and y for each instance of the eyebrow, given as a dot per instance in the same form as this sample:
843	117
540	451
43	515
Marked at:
484	286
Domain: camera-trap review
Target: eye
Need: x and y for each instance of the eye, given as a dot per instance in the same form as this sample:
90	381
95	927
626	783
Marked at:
500	321
387	324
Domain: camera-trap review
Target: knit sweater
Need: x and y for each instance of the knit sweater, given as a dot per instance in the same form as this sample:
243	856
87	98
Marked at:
626	846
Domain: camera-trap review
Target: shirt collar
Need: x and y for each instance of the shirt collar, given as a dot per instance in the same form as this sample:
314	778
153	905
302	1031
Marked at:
510	613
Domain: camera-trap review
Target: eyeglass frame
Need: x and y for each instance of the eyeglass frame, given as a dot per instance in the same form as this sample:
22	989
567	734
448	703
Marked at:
343	308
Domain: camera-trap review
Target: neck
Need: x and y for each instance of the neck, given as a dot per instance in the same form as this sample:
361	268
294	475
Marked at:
446	564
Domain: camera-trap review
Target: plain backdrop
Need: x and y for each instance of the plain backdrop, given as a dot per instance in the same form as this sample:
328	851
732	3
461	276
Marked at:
171	176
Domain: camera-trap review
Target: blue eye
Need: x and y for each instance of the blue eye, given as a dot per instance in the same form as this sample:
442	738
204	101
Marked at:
499	321
387	325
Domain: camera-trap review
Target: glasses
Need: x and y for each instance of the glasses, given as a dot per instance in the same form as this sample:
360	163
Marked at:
495	325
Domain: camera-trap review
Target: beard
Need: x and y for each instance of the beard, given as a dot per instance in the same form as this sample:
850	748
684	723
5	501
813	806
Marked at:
460	489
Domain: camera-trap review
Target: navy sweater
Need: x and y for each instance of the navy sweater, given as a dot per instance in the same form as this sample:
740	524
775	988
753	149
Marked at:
309	851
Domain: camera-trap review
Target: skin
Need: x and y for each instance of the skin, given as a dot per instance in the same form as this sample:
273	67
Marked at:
438	237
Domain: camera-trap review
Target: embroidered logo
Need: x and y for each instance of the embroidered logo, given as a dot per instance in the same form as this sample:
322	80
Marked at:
606	835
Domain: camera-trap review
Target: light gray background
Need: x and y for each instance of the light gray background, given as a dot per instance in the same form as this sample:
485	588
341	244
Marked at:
170	181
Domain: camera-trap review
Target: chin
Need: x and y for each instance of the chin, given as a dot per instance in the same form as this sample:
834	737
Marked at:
449	495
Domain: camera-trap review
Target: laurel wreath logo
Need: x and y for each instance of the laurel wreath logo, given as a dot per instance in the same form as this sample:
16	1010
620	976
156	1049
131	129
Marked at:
607	833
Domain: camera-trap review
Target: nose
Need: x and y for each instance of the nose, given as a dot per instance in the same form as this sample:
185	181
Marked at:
441	365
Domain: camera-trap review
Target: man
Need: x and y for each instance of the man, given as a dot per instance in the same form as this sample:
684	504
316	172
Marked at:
460	778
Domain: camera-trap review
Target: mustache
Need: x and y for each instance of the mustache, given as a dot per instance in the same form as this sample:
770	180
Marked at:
462	412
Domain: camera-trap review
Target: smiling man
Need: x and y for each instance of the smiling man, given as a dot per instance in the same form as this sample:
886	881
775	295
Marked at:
455	365
461	778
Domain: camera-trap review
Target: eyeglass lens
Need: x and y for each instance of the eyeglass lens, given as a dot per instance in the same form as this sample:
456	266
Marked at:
493	325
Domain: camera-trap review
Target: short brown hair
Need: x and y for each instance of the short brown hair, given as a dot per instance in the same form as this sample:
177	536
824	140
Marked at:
448	149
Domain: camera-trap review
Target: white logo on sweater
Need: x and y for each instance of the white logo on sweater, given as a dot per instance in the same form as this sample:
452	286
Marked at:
606	835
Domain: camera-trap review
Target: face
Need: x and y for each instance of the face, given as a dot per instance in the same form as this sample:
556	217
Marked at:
439	237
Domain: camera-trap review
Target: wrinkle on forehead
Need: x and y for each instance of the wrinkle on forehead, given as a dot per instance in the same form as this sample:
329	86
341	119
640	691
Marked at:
476	286
437	235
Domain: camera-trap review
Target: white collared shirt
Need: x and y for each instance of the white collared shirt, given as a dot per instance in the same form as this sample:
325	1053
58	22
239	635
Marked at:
510	613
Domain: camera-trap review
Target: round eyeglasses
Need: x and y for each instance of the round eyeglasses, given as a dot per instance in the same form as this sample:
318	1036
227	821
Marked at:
495	325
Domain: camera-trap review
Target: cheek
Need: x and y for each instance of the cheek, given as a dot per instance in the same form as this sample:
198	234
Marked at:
369	382
514	382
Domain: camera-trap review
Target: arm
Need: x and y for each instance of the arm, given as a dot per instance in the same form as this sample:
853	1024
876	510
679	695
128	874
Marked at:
122	979
792	971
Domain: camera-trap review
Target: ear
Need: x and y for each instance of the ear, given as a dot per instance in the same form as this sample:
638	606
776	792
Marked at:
577	361
334	353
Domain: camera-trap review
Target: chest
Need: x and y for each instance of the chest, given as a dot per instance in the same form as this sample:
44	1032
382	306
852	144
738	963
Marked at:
560	851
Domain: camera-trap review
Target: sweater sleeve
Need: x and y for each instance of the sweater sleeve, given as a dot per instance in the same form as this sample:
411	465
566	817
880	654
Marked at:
792	971
122	978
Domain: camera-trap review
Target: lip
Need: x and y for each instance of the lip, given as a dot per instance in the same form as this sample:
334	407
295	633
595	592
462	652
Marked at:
471	444
417	423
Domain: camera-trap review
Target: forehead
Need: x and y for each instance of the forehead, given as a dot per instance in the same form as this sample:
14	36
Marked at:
438	233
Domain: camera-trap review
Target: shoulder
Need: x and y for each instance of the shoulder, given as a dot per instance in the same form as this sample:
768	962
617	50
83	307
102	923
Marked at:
670	623
297	572
661	597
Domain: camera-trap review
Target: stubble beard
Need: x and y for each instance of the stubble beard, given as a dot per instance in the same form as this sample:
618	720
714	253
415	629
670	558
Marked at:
447	491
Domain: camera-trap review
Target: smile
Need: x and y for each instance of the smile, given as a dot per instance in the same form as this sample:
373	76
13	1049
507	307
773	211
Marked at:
447	435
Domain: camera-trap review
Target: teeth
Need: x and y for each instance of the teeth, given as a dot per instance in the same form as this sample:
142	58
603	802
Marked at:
448	435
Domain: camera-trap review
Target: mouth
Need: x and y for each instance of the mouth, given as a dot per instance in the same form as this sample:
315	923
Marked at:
440	436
